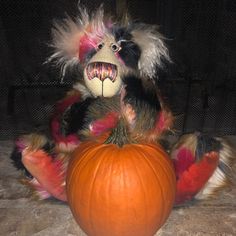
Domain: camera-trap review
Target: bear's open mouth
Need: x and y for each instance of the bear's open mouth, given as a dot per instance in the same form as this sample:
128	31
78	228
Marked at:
102	71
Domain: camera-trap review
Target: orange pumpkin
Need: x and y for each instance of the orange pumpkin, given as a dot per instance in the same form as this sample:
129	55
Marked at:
120	191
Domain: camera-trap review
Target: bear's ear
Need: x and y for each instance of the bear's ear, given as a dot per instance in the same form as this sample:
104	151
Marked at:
66	37
73	39
153	48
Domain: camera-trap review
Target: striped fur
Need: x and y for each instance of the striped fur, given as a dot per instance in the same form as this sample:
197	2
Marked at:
199	144
221	178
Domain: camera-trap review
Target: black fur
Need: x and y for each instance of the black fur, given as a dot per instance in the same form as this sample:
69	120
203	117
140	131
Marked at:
142	96
205	144
130	52
16	157
73	119
138	96
16	160
48	147
225	168
121	33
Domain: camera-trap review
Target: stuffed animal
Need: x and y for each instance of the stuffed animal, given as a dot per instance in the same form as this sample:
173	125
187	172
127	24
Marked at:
119	62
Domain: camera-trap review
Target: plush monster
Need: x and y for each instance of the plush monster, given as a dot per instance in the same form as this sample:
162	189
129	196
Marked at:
120	63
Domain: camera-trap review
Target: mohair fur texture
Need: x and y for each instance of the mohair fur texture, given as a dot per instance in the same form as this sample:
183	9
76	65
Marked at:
119	62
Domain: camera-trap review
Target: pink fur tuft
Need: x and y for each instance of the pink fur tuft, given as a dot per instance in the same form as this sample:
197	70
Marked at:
20	144
102	125
182	159
56	120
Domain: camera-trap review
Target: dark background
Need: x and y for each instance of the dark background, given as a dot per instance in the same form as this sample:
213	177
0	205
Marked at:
200	86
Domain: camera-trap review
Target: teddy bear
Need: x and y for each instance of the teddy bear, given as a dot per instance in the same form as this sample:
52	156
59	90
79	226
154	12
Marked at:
119	63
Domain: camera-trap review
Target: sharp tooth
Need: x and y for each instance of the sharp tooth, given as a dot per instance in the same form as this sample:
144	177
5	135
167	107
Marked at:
101	71
88	72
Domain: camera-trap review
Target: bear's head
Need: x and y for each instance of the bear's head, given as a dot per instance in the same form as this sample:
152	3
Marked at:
106	50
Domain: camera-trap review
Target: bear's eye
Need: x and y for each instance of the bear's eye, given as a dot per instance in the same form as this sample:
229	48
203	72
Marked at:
100	45
115	47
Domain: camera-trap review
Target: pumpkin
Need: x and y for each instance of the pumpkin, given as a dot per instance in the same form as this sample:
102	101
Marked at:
120	191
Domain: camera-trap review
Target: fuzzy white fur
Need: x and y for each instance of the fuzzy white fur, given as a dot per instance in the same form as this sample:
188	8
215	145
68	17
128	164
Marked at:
67	33
153	49
221	177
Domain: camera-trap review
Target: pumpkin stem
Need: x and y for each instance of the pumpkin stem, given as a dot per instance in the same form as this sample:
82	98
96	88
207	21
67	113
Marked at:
119	135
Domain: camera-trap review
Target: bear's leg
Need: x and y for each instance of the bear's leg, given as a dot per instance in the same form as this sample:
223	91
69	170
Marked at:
202	165
46	171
